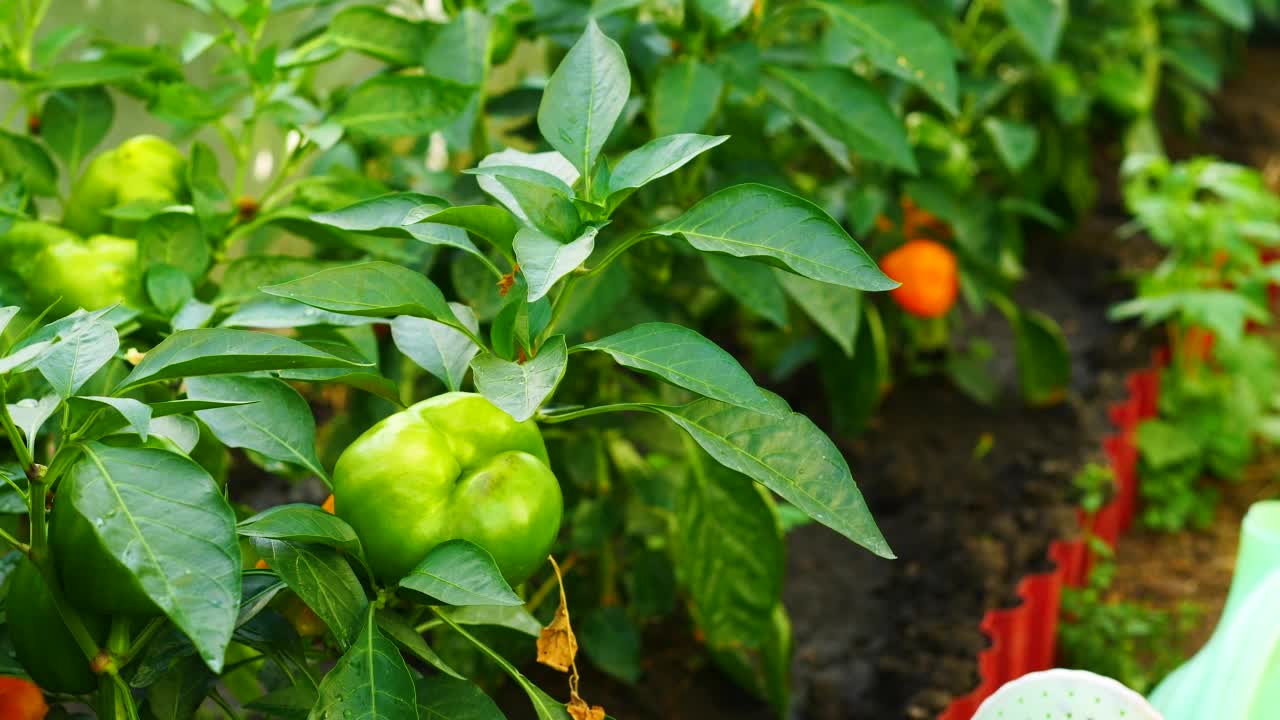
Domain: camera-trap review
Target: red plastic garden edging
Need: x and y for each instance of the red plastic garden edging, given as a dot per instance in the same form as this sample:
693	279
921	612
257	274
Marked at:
1024	638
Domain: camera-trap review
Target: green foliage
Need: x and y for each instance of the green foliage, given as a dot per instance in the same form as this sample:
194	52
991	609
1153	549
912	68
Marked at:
1126	640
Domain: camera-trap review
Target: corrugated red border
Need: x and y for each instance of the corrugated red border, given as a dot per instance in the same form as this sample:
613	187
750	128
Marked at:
1024	638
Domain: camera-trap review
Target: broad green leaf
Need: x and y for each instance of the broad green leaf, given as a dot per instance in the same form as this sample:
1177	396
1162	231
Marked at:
78	352
168	288
377	33
7	314
403	634
1038	23
323	580
437	348
1014	142
1236	13
758	221
725	15
22	157
683	357
277	422
135	413
520	389
443	698
751	284
371	289
544	260
73	122
182	407
787	453
548	162
848	109
584	98
458	572
658	158
216	351
208	192
397	105
370	681
491	223
277	313
176	239
459	51
684	97
399	215
301	523
92	72
182	432
179	692
538	198
900	41
162	517
292	702
833	308
512	617
730	555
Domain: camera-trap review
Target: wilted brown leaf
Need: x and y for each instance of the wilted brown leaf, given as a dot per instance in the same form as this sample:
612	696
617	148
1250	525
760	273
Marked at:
557	647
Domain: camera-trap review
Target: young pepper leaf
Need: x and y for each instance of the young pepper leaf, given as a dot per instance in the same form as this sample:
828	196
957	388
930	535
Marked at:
371	681
657	158
544	260
584	98
683	357
459	572
371	289
520	389
762	222
322	579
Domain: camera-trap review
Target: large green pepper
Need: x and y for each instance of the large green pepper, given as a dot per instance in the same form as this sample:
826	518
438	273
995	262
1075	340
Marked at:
93	274
43	644
25	240
451	467
141	168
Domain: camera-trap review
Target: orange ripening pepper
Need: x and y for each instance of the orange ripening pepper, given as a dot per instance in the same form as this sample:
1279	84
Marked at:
20	699
929	276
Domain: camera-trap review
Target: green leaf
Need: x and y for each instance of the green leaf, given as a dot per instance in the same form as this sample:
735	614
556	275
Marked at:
401	215
538	198
1015	142
368	379
22	157
397	105
164	519
1044	360
758	221
725	15
1038	23
370	681
208	192
512	617
787	453
520	389
7	314
73	122
135	413
277	422
175	239
371	289
658	158
78	352
377	33
900	41
612	642
288	703
437	348
834	308
277	313
486	221
216	351
584	98
751	284
443	698
168	288
322	579
404	635
544	260
684	97
1236	13
849	109
458	572
30	415
684	358
730	555
178	693
93	72
301	523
